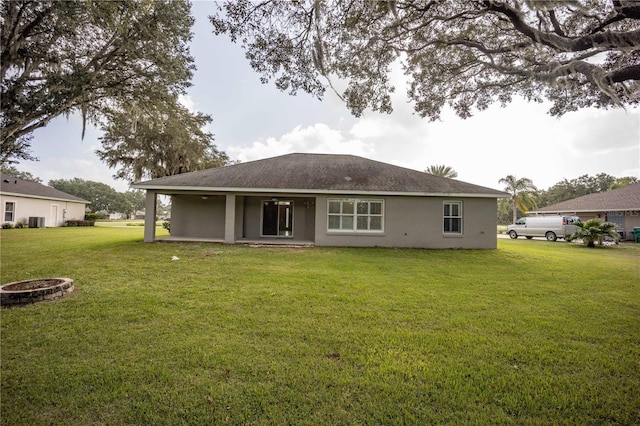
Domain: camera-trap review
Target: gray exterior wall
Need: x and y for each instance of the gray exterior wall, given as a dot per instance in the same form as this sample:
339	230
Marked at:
251	218
409	221
195	217
417	222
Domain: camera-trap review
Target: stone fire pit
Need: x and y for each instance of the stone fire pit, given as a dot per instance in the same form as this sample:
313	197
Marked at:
36	290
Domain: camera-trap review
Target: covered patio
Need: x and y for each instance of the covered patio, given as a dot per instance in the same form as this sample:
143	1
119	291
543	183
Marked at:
269	219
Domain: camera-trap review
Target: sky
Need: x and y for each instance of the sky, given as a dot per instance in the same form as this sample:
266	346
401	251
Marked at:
252	121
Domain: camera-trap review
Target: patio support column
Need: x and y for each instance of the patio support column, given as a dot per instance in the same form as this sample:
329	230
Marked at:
150	217
230	220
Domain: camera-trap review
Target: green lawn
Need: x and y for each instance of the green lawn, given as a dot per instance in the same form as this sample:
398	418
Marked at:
534	333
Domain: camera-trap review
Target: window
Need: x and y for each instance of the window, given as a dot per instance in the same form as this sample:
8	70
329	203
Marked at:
615	217
9	210
355	215
452	217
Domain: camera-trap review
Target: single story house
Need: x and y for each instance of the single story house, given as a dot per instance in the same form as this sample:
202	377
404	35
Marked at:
620	206
325	200
37	205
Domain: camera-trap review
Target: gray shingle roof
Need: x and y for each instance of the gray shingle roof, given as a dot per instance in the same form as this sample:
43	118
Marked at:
12	185
318	173
626	198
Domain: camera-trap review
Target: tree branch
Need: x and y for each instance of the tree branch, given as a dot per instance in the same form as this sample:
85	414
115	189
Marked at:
631	72
556	24
610	40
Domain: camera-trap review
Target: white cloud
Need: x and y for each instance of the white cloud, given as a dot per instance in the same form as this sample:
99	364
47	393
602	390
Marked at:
604	131
521	140
318	138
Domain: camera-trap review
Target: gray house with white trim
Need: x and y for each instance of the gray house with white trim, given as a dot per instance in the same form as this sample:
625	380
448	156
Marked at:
325	200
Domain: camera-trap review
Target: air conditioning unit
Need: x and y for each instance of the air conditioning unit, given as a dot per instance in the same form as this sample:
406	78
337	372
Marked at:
36	222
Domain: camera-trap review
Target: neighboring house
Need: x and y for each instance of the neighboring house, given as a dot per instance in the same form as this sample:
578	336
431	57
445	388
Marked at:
37	205
325	200
117	216
620	206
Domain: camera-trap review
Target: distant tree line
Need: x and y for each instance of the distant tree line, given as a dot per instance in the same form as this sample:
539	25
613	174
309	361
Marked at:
583	185
103	198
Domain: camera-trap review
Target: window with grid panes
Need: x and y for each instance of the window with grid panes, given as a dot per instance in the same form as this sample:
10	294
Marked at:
355	215
9	210
452	216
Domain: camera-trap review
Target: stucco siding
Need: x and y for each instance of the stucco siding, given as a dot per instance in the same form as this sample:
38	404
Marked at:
251	218
55	212
408	221
239	222
417	222
196	217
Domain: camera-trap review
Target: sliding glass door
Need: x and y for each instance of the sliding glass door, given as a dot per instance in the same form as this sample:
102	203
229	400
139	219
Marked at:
277	218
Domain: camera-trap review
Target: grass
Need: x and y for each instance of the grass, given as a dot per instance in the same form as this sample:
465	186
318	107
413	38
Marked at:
123	222
533	333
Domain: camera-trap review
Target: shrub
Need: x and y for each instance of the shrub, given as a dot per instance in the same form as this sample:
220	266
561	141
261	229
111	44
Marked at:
7	225
95	216
594	230
79	223
167	225
22	224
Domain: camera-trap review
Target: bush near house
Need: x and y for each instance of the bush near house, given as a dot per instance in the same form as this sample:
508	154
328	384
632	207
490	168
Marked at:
595	231
241	335
95	216
79	223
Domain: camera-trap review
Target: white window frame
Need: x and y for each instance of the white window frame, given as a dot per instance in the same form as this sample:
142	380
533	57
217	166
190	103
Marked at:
352	217
12	211
450	216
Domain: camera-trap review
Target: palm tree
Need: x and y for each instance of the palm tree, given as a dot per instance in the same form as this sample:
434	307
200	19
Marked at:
594	230
524	194
441	170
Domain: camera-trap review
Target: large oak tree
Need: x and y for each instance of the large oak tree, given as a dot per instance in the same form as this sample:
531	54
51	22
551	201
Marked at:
93	57
468	54
162	140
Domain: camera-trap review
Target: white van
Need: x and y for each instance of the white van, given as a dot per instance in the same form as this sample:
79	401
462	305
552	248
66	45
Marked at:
549	227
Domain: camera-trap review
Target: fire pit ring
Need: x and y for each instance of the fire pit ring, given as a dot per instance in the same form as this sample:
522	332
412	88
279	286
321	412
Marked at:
35	290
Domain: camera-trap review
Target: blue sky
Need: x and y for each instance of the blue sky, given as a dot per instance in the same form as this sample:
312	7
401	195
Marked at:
253	121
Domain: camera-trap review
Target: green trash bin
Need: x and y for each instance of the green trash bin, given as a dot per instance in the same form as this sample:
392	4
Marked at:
636	234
